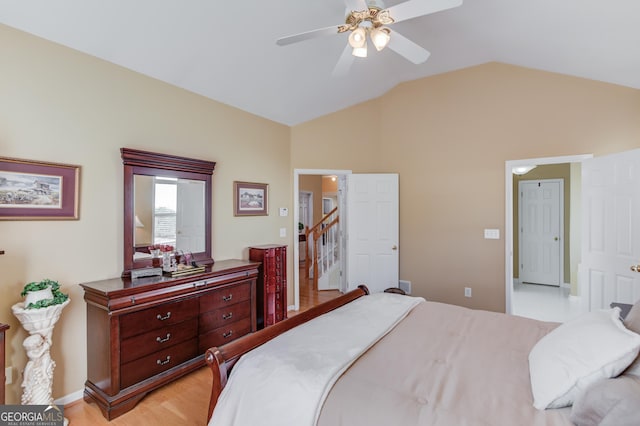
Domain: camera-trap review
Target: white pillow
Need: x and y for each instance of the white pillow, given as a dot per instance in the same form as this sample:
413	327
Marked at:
594	346
632	322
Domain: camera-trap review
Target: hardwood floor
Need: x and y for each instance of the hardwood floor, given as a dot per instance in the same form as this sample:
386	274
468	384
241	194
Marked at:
185	401
310	298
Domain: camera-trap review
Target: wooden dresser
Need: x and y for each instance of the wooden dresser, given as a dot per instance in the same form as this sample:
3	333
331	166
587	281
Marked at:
3	328
145	333
272	283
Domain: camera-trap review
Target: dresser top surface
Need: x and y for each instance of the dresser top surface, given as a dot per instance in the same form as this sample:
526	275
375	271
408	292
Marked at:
117	285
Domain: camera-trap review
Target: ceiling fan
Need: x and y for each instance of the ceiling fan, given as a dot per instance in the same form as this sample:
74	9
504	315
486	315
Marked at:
371	18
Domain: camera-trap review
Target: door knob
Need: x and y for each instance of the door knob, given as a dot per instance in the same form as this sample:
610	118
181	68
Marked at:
635	268
555	239
394	247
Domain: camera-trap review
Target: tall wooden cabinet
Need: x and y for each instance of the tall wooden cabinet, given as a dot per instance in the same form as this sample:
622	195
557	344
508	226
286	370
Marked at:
144	333
271	288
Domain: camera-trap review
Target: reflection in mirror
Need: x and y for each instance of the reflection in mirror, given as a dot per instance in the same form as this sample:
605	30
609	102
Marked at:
168	211
167	200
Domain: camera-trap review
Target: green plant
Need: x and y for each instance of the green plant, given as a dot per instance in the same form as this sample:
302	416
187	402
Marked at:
300	226
58	296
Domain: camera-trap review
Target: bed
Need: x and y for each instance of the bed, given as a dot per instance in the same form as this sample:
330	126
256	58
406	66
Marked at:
387	359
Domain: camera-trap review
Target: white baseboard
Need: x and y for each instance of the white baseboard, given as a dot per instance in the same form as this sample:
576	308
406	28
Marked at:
291	308
68	399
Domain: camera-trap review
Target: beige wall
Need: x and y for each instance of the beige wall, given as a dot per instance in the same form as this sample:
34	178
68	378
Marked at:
313	183
448	137
143	209
60	105
329	185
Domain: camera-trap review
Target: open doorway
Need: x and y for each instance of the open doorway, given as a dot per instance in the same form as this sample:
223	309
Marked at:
534	300
299	188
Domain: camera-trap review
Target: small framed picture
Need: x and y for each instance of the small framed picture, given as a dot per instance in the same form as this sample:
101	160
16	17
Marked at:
250	199
32	190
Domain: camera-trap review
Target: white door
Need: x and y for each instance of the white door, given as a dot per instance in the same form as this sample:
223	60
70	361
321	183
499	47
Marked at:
305	213
190	223
610	229
305	208
372	231
541	231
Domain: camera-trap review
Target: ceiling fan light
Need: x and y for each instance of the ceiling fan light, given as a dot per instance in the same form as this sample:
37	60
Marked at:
358	38
380	38
360	52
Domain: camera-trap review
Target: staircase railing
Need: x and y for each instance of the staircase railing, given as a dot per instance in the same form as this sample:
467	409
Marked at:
320	249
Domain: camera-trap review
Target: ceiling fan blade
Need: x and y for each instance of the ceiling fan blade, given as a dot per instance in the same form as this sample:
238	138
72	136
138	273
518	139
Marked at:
356	5
405	47
344	63
414	8
307	35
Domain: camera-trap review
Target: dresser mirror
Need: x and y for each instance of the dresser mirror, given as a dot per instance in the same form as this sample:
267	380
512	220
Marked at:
167	201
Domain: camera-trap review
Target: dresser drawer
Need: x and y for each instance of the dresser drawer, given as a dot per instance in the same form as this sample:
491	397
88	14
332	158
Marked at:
224	334
223	316
155	363
155	340
226	296
157	317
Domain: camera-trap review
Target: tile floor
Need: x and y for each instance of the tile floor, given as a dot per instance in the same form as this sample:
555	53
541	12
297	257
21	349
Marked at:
546	303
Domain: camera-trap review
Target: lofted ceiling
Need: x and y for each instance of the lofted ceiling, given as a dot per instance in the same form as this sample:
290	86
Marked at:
226	50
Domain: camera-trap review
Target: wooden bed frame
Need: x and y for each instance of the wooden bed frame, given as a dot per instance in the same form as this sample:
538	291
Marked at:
222	359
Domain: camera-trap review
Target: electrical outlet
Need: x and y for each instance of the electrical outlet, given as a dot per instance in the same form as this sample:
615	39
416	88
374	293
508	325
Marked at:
467	292
8	374
405	285
283	232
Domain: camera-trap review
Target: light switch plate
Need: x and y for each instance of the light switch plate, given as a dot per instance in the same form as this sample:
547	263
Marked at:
284	211
283	232
491	234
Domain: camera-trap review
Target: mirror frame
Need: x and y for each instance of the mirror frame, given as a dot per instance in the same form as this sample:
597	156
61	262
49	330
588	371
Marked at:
137	162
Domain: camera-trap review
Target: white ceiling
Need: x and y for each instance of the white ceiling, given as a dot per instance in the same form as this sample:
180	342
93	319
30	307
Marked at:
226	50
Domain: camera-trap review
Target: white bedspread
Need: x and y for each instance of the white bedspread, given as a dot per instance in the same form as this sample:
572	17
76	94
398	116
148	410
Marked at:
286	380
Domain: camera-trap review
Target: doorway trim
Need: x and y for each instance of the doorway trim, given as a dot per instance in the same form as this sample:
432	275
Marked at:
296	246
508	232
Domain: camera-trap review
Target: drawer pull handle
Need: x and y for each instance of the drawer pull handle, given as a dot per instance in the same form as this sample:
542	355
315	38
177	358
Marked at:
227	316
227	298
227	334
161	340
163	318
165	362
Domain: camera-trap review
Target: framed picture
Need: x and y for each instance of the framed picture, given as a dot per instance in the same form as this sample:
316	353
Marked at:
250	199
32	190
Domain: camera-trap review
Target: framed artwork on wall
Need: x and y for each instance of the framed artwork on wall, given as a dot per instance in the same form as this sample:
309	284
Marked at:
250	199
36	190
